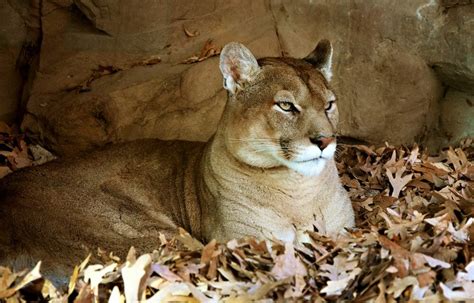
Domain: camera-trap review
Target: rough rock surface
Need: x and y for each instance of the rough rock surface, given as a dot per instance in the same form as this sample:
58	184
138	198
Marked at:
12	36
394	63
167	100
456	116
20	32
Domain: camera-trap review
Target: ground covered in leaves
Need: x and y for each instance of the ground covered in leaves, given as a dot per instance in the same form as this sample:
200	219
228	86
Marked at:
414	222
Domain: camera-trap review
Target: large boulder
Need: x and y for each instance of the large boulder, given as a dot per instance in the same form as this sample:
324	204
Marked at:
393	60
451	32
98	79
12	37
449	27
92	87
456	117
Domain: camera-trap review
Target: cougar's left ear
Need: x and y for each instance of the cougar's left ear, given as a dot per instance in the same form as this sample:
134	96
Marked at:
321	58
238	66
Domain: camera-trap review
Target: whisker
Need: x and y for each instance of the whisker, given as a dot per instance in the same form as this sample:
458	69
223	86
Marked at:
264	149
253	140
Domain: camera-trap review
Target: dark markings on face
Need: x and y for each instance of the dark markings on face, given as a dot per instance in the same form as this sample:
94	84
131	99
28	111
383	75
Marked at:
290	131
285	148
314	81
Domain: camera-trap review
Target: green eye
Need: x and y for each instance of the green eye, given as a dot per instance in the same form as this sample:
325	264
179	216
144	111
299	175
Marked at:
287	106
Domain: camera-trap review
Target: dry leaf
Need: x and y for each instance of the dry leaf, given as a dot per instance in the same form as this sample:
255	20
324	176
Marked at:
19	157
192	59
133	274
287	265
339	274
399	285
86	295
432	262
49	290
4	170
40	155
165	272
152	60
94	274
115	296
414	154
188	241
33	275
461	235
167	293
208	251
397	181
189	33
207	51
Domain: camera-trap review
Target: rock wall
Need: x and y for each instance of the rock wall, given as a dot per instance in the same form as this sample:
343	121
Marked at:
20	33
396	60
403	70
12	36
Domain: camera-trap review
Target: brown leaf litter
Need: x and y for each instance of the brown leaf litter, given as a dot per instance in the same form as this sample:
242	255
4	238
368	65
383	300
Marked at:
412	243
15	153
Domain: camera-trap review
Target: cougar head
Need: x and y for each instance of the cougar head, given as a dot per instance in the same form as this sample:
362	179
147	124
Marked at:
281	111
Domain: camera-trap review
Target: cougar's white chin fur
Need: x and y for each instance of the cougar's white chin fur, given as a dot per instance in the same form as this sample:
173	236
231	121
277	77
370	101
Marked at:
311	161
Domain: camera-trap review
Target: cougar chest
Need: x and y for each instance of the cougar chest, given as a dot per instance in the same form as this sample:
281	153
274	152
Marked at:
240	201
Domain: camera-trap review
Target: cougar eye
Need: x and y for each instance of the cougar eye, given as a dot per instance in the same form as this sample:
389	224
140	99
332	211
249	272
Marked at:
330	106
287	106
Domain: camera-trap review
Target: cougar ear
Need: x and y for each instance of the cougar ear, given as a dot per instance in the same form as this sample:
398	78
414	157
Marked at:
238	66
321	58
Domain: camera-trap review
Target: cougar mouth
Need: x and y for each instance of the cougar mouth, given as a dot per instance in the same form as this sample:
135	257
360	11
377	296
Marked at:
310	160
311	167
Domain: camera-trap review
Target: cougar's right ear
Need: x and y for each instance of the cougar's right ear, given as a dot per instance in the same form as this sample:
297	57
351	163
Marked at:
321	58
238	66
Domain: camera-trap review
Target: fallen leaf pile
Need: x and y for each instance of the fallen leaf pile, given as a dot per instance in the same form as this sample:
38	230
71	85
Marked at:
15	153
412	242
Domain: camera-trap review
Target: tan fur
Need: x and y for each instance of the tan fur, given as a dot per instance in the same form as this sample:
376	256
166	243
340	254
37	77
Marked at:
245	181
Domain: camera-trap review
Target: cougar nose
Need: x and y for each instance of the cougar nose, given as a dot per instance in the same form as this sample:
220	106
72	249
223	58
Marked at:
321	141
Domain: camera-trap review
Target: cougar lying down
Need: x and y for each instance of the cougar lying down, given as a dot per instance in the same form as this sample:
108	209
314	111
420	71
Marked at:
267	172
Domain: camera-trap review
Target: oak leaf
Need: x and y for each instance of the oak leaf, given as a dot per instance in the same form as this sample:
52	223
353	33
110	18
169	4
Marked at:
397	181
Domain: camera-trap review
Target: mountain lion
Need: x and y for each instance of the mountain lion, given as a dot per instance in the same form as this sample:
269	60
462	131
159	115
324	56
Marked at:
268	172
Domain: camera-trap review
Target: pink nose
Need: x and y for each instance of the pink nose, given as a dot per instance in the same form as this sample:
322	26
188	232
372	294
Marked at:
322	142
